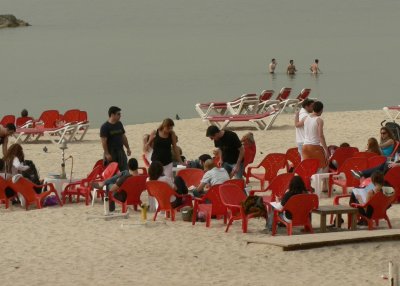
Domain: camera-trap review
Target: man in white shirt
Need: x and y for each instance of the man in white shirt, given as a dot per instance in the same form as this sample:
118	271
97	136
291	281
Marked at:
305	110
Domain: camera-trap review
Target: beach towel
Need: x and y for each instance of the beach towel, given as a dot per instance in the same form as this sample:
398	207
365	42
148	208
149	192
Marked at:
315	152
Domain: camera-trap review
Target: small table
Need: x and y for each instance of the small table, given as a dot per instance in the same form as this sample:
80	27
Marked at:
338	210
59	184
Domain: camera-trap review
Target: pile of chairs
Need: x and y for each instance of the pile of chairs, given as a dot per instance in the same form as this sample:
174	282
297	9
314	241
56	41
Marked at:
261	110
51	125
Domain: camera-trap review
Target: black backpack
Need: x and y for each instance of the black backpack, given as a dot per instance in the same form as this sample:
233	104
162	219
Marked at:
394	127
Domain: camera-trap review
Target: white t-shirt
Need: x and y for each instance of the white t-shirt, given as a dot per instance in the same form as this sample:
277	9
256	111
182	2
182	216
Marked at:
215	176
311	136
300	130
18	166
165	179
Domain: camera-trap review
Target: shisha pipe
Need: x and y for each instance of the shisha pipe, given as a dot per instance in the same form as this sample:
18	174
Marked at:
63	147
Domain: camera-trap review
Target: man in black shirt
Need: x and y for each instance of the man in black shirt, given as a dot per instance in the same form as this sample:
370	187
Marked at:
231	149
113	139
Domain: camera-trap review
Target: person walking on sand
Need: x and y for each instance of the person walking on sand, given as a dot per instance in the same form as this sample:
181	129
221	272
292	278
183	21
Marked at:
163	141
6	132
291	69
314	146
314	67
113	139
300	117
272	66
230	148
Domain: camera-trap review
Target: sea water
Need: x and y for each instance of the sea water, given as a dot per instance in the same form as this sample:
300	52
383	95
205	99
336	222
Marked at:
157	58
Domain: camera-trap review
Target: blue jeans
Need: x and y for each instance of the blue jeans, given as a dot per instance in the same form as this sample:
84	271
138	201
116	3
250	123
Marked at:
229	167
368	172
111	181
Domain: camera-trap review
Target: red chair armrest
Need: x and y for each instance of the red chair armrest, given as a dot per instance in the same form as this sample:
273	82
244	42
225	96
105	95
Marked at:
338	197
358	205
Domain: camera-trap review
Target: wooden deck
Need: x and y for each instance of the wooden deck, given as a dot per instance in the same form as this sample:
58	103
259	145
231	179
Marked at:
307	241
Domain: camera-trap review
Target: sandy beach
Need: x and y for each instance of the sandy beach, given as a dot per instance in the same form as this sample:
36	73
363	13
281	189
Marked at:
65	246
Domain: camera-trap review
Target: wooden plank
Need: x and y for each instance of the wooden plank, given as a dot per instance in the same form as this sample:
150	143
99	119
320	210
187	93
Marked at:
307	241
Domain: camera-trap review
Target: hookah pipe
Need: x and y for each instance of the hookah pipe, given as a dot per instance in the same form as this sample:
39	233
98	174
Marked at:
72	166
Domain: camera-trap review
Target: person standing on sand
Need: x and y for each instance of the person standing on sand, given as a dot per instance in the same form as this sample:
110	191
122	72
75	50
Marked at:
230	148
314	67
291	69
6	132
314	140
163	141
300	117
113	139
272	66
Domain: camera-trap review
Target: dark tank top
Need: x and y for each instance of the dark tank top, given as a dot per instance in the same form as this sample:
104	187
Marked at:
2	140
162	149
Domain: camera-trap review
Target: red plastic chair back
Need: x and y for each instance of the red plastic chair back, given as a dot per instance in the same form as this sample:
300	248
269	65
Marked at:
49	118
393	178
231	195
272	163
250	151
395	148
71	116
300	206
134	186
357	164
266	95
25	188
380	203
212	195
365	154
284	93
3	185
162	192
95	173
191	176
99	163
376	161
343	153
306	169
279	185
145	161
83	117
7	119
21	121
110	170
305	92
238	182
292	156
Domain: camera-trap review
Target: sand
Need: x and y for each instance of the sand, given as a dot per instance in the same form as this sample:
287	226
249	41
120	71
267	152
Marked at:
66	246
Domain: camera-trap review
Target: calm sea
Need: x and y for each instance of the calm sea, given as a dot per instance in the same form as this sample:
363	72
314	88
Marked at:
157	58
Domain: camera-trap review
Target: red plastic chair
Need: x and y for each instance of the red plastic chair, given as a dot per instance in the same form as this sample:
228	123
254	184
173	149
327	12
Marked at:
293	158
306	169
145	161
163	192
99	163
233	197
393	178
109	171
82	187
278	187
365	154
379	203
284	94
191	176
133	186
3	185
212	198
272	163
49	118
71	116
83	117
300	207
376	161
26	189
395	149
357	164
238	182
22	122
7	119
340	155
266	95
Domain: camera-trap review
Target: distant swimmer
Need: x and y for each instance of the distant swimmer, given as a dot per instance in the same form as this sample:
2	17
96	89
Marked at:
272	66
314	67
291	69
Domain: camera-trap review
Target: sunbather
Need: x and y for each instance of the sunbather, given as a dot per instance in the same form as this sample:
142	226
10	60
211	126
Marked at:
212	176
387	141
156	173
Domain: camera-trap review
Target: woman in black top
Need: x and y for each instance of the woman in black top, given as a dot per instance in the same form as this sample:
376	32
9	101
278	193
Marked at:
163	140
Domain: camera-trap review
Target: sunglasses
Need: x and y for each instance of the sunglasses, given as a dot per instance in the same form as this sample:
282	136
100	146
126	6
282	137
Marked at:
383	133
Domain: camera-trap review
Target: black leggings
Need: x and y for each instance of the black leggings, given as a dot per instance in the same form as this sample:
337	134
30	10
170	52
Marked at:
367	213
